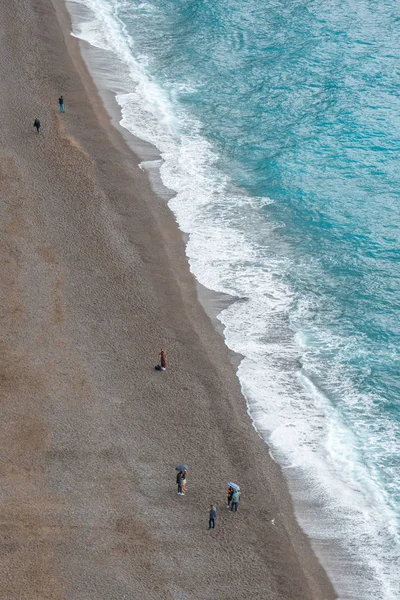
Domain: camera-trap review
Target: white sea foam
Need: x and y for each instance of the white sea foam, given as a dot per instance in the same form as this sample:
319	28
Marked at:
338	497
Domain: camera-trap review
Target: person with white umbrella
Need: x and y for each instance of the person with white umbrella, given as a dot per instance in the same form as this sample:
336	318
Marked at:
235	496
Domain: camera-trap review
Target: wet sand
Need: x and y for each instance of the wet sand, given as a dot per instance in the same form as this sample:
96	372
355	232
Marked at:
93	281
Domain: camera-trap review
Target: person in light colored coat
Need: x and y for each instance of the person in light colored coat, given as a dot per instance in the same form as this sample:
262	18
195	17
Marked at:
235	500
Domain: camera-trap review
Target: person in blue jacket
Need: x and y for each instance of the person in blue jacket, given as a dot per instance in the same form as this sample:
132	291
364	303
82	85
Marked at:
212	517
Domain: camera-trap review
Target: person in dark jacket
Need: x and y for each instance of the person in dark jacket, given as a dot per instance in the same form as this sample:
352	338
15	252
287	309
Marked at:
230	493
61	103
212	517
180	479
36	125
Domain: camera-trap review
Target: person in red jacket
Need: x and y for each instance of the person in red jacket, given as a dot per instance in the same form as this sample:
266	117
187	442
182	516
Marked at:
163	361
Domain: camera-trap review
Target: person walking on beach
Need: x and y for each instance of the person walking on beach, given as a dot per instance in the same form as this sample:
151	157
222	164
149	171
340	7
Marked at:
61	103
163	361
36	125
235	500
212	517
184	480
180	479
230	494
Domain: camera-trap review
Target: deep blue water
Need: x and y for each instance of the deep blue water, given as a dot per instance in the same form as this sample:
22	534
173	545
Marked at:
279	126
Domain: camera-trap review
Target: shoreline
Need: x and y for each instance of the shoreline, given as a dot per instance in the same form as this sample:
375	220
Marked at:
97	276
213	302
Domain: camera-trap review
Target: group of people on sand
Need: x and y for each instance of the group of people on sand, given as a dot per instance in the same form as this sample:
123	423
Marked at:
233	496
36	122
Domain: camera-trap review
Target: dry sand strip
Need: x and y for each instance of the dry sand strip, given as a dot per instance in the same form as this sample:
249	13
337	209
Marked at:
93	280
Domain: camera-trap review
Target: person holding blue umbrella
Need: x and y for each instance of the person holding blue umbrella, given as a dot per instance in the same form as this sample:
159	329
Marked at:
181	478
179	481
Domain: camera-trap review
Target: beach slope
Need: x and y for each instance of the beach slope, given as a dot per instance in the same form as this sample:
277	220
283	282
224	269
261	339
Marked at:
93	281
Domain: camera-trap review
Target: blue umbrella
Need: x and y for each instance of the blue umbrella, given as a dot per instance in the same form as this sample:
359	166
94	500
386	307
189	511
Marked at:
181	468
233	485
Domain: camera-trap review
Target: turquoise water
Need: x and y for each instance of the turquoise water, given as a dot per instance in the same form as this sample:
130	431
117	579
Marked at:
279	128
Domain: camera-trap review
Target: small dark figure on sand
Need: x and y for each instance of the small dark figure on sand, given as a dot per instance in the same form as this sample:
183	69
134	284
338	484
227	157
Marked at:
163	361
235	500
181	481
230	494
36	125
61	103
212	517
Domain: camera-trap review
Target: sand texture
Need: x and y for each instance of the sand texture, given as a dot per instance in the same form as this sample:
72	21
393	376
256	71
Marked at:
93	281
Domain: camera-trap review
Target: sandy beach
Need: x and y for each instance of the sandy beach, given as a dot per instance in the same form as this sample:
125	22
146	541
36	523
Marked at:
94	281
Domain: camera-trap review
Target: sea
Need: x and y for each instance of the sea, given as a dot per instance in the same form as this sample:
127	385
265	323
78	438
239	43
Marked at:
276	126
